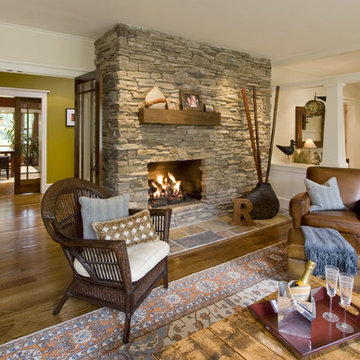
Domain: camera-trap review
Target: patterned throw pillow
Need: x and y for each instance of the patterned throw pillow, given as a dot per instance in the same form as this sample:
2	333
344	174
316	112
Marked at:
134	229
325	196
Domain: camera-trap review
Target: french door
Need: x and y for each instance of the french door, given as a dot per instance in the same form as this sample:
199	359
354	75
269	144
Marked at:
88	127
26	159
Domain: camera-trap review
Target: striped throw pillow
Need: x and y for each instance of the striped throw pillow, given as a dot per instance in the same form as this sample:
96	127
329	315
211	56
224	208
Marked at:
325	196
93	210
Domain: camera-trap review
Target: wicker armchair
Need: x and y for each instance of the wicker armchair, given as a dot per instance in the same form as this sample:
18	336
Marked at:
108	281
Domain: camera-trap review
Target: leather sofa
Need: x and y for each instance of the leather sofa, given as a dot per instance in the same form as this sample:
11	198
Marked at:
346	222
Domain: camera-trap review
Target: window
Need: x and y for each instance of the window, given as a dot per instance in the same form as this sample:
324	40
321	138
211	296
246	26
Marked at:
6	127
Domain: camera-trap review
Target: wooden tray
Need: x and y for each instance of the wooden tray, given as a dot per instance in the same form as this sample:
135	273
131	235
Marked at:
324	335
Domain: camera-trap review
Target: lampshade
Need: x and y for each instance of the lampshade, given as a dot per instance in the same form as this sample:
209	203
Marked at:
309	144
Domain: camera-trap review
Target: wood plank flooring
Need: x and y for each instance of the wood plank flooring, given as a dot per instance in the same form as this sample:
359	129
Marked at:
34	272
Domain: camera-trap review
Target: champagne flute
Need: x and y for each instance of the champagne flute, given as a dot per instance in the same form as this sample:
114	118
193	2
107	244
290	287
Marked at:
346	286
332	275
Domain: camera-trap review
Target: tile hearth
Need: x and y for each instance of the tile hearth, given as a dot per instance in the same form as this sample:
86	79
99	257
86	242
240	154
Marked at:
216	229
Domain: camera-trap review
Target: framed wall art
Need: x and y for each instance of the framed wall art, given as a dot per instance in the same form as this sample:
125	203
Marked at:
70	117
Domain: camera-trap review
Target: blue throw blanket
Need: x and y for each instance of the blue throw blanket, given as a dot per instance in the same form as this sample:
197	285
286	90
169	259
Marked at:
327	247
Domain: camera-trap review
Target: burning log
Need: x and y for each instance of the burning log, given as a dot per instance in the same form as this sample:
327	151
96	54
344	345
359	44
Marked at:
165	190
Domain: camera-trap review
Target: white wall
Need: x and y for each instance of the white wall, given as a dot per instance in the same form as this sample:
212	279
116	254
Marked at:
287	181
285	125
38	52
352	100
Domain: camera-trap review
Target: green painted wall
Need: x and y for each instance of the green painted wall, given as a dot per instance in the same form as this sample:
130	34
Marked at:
60	139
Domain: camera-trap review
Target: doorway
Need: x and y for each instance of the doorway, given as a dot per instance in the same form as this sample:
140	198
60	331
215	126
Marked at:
88	127
23	140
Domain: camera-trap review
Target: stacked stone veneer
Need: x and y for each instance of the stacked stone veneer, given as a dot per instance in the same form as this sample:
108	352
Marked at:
133	60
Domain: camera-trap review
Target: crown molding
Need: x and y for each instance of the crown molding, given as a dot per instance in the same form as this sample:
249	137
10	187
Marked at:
40	69
316	54
325	81
44	32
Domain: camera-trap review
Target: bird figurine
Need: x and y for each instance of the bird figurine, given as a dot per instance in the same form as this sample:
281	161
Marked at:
288	150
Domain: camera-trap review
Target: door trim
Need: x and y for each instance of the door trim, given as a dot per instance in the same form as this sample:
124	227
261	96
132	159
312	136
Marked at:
41	94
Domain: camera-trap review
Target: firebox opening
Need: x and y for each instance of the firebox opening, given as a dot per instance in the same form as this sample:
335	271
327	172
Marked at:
174	182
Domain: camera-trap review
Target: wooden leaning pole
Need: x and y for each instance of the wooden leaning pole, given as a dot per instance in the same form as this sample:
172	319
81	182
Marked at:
260	202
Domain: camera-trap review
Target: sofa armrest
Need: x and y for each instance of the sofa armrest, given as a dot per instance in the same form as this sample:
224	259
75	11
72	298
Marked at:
298	207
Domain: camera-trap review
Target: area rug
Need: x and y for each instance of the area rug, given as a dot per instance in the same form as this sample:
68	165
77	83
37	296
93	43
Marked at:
168	315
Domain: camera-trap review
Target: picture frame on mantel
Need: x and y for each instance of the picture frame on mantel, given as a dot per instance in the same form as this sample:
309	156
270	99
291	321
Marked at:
70	117
191	100
209	108
172	105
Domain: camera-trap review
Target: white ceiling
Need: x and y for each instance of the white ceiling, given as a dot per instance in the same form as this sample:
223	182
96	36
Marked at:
290	33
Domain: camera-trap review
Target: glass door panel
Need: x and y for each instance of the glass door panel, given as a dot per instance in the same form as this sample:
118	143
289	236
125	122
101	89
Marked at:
27	167
88	132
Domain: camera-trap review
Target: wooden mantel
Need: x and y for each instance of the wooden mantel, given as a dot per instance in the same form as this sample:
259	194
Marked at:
178	117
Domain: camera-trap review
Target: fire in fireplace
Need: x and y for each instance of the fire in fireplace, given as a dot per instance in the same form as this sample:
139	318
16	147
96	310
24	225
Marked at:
173	182
165	190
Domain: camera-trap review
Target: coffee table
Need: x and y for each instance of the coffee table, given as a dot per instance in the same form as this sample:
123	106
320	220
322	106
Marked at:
241	336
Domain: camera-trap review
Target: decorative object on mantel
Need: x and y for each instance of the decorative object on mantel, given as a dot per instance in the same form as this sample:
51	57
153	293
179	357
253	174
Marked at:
288	150
191	100
155	99
172	105
208	108
262	197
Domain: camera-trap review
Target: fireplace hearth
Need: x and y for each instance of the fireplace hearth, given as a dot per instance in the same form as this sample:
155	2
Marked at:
174	182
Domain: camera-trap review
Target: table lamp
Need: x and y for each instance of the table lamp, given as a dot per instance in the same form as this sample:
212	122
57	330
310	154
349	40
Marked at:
309	144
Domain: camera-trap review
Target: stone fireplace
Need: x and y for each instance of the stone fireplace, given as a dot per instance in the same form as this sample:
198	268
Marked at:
133	60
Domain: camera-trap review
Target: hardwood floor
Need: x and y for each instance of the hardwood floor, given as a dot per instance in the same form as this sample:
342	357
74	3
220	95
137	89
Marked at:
34	272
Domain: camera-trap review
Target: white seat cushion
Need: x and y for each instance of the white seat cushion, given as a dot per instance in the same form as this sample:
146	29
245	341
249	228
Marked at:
142	258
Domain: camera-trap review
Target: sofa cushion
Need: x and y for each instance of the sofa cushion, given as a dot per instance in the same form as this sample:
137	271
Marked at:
134	229
325	196
343	221
348	181
142	258
94	209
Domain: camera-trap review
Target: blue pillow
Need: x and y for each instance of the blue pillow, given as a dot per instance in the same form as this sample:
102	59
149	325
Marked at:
325	196
94	210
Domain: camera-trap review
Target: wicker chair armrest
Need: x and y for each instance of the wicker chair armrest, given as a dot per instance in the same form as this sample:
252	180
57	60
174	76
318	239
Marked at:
90	243
76	248
298	207
161	219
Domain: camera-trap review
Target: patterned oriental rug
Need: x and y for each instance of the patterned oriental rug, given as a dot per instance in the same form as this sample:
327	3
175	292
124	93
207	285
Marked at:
190	304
